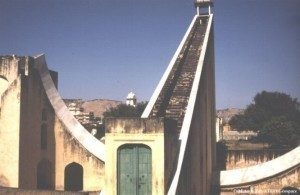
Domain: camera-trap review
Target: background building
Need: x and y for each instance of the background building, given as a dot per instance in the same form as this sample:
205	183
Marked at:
131	99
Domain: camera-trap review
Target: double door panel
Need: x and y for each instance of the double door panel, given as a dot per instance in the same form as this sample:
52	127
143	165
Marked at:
134	170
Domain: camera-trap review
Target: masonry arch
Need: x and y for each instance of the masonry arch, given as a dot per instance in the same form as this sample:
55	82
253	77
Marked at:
134	169
73	177
44	175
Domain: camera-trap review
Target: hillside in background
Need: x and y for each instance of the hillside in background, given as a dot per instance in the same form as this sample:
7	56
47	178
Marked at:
98	106
228	113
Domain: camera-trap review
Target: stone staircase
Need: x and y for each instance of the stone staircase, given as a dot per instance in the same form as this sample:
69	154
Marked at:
173	98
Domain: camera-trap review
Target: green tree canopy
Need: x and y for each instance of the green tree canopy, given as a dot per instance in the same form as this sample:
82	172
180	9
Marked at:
273	115
123	110
280	133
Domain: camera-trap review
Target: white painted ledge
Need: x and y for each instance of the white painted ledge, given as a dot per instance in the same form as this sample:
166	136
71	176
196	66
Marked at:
88	141
262	171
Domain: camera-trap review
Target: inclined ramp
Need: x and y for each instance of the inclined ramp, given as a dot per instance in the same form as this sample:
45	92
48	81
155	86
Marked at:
175	96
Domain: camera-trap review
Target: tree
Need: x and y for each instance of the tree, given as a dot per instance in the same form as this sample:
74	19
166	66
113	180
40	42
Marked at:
275	115
280	132
123	110
266	106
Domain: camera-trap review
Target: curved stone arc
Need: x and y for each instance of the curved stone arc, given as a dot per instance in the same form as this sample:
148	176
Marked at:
237	177
185	129
88	141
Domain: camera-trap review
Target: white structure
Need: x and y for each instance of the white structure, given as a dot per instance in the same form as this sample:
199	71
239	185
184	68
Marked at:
131	99
206	4
74	109
219	129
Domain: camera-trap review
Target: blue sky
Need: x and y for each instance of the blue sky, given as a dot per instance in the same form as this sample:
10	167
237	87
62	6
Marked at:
106	48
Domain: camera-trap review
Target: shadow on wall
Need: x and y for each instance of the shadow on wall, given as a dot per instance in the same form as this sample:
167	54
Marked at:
44	142
44	180
215	187
221	155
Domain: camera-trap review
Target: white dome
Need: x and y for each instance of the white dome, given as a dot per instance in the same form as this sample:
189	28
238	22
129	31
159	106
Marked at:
131	95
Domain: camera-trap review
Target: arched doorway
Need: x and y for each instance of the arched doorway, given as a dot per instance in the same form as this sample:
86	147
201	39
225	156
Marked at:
73	177
44	177
134	170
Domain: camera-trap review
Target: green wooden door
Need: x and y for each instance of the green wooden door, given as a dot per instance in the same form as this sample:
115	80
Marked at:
134	170
144	171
